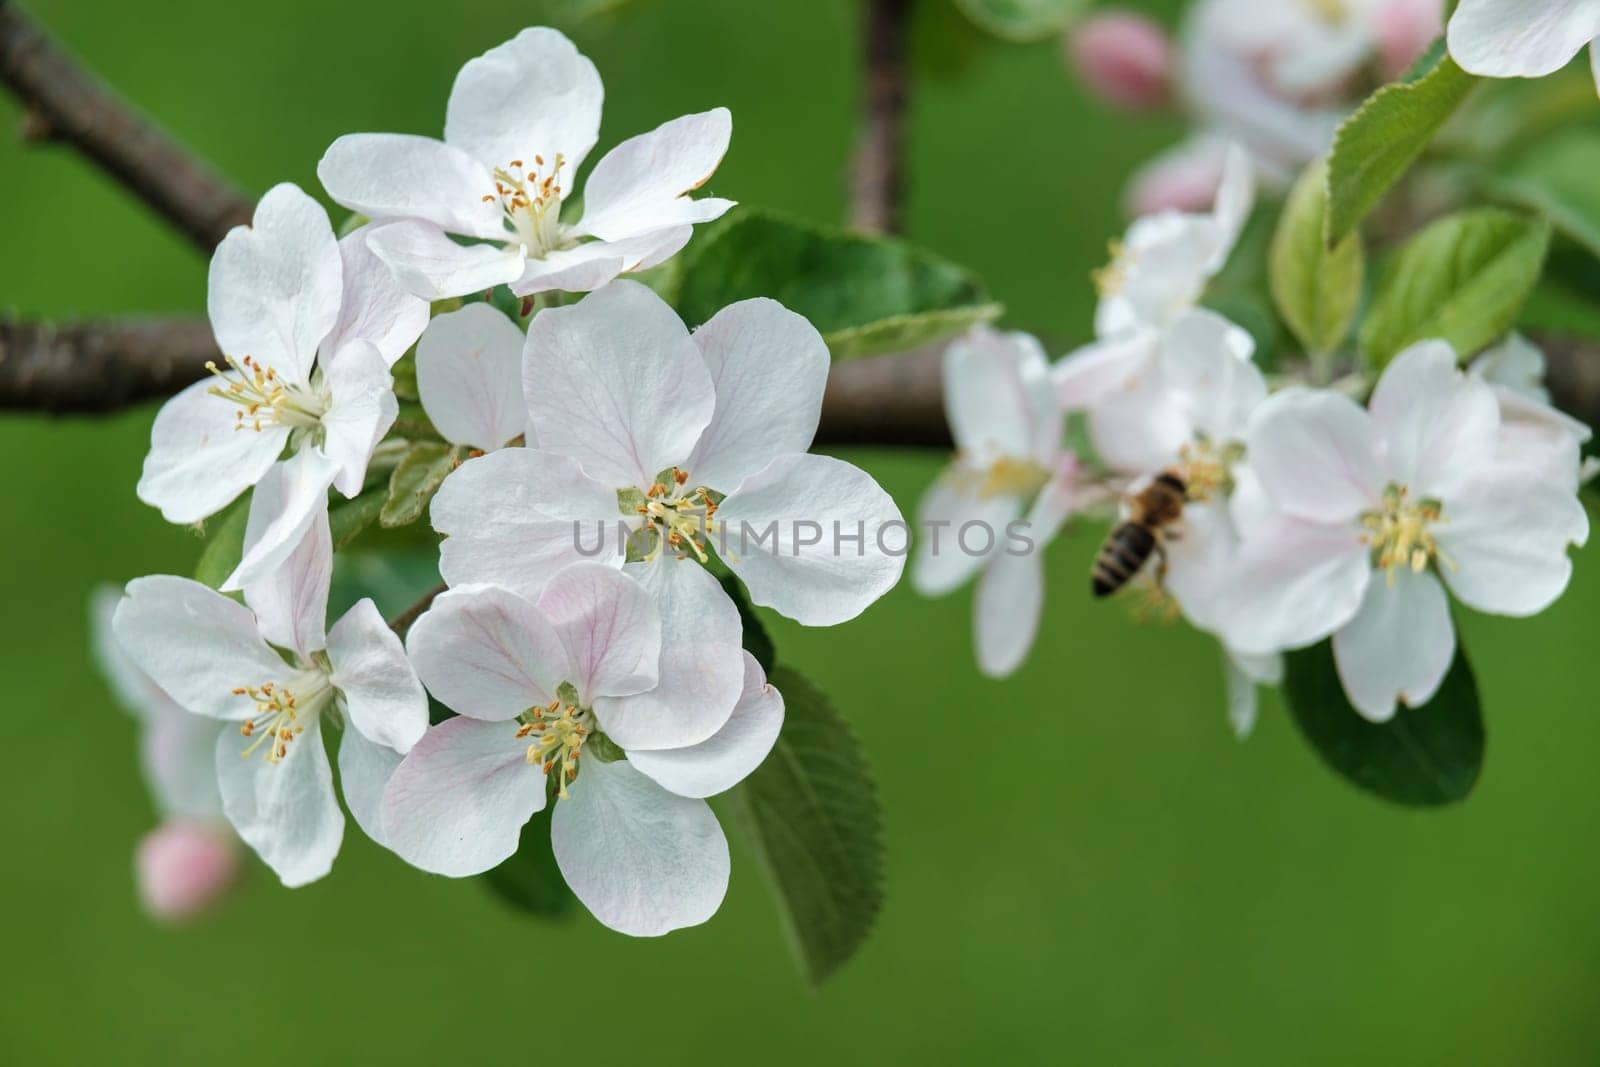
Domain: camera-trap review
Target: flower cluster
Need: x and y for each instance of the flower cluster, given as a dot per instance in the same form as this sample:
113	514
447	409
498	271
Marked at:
608	460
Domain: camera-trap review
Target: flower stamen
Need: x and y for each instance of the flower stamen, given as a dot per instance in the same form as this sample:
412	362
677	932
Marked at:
557	733
263	398
1401	535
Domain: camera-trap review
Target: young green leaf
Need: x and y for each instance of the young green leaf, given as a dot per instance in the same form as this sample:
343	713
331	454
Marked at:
864	294
530	880
1315	287
1464	279
224	544
348	518
1377	144
810	813
416	478
1558	179
1423	757
757	641
1022	20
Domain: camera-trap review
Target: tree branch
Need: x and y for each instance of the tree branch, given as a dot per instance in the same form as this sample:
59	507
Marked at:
877	181
402	622
65	103
96	367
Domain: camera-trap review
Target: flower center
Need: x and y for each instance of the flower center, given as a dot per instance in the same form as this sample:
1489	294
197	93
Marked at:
1109	279
281	715
556	733
1005	476
263	398
1399	532
531	200
1333	12
1206	467
675	515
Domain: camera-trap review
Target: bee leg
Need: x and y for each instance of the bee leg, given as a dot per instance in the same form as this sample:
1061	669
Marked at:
1161	566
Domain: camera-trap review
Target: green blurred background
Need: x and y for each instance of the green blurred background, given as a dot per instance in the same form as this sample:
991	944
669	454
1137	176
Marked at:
1083	864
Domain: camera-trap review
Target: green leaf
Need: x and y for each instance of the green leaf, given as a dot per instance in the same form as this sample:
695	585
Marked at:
865	294
811	815
416	478
1560	179
1423	757
529	880
1464	279
349	518
1022	20
1316	288
224	544
757	641
1376	145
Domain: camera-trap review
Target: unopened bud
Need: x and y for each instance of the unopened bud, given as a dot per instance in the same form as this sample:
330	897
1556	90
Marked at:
184	867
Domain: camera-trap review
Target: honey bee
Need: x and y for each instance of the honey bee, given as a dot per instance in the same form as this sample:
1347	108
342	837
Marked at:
1152	511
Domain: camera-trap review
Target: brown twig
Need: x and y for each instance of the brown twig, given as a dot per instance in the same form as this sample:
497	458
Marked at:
66	103
402	622
877	180
96	367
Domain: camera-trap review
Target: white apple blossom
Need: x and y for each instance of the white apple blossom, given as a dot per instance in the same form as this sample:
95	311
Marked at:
1373	513
469	377
1011	482
1523	38
1530	426
697	443
310	326
520	120
272	669
538	686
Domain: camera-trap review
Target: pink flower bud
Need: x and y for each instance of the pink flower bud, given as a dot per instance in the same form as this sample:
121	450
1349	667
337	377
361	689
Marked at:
184	867
1125	59
1404	29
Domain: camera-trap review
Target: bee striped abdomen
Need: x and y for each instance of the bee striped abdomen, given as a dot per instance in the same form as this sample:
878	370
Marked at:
1120	558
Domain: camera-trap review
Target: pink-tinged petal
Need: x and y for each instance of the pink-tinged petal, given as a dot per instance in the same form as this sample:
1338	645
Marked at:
1085	377
592	264
1405	29
184	867
388	176
838	538
1316	455
515	517
768	368
610	628
1293	583
382	696
286	811
196	644
291	603
430	265
275	285
200	459
487	653
724	759
999	398
175	754
643	184
286	502
1504	538
1006	611
1436	424
375	307
365	768
959	529
469	372
1183	178
457	803
1520	38
1398	647
1125	59
701	670
533	95
644	861
615	382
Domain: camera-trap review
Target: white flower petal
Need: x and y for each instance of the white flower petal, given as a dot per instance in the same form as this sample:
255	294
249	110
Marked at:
361	410
1293	583
1006	611
999	398
1242	698
1504	539
1517	364
1315	454
375	307
469	373
365	768
610	627
382	696
533	95
1159	273
285	503
1205	362
196	644
291	603
1199	559
642	860
724	759
516	517
768	367
592	264
615	382
852	561
457	803
1398	646
430	265
176	754
1520	38
1436	424
1085	377
1141	429
643	184
200	459
275	286
286	810
487	653
702	662
959	529
1236	196
397	176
